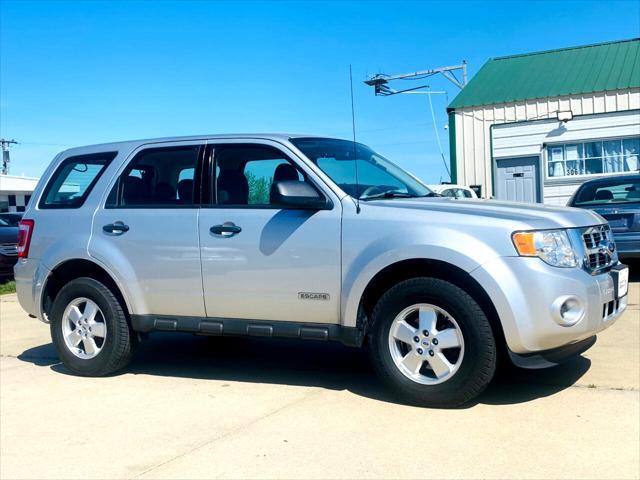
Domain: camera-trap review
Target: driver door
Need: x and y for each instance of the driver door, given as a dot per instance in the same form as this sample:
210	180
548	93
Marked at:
261	261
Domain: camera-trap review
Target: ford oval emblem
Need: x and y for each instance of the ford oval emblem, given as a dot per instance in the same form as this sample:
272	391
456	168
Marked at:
607	245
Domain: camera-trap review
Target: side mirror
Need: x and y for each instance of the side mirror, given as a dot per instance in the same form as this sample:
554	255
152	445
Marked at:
296	194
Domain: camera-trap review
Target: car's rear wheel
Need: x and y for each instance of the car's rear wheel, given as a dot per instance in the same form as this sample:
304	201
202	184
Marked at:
90	330
432	343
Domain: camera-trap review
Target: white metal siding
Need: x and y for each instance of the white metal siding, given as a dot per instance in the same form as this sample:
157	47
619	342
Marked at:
472	126
529	138
559	194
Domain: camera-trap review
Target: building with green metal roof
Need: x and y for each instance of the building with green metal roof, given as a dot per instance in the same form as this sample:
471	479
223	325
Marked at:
533	127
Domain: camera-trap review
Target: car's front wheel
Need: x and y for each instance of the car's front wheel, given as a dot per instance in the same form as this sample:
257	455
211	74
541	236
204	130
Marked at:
432	343
90	330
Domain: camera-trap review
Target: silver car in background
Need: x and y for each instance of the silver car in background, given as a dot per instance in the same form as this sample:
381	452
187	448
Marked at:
310	238
452	190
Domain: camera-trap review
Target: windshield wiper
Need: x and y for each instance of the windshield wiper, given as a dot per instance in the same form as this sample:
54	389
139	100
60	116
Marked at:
392	194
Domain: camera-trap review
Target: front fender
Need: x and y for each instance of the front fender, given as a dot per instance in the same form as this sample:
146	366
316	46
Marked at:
464	251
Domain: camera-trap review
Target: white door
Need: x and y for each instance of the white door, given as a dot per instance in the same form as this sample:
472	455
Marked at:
259	261
518	179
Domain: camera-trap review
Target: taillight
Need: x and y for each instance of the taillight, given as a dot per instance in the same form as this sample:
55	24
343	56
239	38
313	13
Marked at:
25	230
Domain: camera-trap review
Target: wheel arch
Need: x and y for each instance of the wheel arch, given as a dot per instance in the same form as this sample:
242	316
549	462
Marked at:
69	270
420	267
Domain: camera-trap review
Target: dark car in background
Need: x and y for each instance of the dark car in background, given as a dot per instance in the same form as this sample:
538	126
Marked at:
8	242
12	219
618	200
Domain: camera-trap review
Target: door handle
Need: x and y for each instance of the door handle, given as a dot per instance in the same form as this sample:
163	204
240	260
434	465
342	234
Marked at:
116	228
227	229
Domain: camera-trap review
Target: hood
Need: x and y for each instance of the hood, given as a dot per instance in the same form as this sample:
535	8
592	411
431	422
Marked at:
521	215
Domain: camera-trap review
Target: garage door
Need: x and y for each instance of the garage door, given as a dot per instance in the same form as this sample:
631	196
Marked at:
517	179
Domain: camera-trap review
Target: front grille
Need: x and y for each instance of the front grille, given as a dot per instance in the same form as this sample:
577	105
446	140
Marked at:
592	239
598	255
9	249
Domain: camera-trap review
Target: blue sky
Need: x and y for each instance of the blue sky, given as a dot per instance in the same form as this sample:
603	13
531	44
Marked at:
75	73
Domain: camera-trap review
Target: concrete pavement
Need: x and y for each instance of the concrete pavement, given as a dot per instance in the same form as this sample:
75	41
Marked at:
196	407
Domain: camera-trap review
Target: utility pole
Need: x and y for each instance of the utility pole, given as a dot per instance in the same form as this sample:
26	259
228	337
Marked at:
380	81
5	154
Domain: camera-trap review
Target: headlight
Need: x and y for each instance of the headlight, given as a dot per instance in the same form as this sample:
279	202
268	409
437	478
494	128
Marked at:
552	246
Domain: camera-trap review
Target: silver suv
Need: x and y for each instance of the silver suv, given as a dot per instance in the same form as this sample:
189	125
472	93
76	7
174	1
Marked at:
309	238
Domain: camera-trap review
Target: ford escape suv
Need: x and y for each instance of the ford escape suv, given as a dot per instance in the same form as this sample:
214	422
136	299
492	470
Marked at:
308	238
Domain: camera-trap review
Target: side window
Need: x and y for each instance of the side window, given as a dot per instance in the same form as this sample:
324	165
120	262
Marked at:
460	193
245	174
158	177
261	175
450	192
465	194
73	180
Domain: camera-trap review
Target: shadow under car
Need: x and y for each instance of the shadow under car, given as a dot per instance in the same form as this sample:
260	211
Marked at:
304	363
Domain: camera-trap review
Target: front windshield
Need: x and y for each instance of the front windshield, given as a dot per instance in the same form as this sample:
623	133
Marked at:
377	176
614	190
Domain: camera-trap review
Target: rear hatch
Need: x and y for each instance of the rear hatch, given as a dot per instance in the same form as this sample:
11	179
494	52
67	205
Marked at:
616	198
622	218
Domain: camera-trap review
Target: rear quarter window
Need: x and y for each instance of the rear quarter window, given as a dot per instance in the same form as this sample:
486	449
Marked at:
73	180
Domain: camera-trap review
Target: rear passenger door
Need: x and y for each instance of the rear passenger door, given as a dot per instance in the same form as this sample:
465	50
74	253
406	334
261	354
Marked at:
146	230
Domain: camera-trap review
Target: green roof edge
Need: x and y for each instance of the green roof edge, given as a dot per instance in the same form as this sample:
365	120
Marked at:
460	101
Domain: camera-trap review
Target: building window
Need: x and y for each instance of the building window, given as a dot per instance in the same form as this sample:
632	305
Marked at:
593	158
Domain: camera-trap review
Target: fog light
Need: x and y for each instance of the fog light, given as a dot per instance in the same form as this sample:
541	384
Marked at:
567	310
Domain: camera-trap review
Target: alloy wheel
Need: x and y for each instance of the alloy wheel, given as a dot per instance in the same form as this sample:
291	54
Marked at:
83	328
426	344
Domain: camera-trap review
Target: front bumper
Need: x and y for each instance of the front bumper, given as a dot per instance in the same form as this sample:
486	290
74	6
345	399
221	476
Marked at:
553	357
523	291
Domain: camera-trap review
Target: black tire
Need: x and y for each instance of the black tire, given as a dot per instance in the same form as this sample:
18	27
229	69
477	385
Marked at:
479	361
120	341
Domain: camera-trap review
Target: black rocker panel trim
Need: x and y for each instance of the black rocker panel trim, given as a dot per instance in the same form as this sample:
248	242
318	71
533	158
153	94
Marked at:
350	336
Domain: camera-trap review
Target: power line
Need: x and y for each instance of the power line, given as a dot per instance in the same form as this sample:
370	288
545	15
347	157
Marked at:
435	129
395	127
44	144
